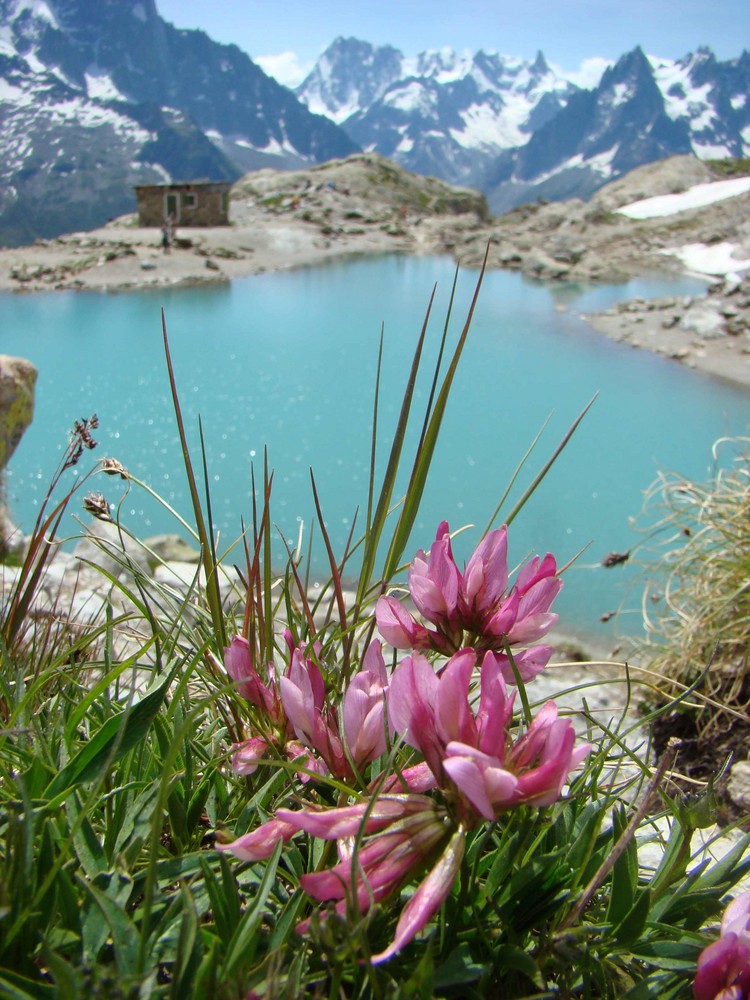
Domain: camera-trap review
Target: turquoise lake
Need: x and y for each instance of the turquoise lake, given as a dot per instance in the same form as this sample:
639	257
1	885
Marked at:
287	361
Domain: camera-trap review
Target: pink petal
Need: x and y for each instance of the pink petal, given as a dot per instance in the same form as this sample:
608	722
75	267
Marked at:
495	707
467	775
395	623
346	821
486	573
502	620
374	664
260	843
737	915
411	697
298	705
418	778
453	716
529	662
364	711
248	754
429	897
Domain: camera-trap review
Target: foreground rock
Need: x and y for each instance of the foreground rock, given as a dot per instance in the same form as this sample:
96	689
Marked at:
17	386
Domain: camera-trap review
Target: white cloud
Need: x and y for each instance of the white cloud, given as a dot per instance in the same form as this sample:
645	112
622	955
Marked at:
588	74
285	67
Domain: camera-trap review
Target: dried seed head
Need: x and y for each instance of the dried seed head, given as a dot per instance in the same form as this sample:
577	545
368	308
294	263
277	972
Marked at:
80	438
96	504
114	468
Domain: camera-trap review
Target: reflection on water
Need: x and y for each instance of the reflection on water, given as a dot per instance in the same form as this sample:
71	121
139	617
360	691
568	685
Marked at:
287	362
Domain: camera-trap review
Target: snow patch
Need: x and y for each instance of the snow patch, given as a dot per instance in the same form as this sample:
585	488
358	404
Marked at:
738	101
99	85
694	197
621	93
39	9
485	128
411	98
10	93
682	99
600	164
276	148
716	259
36	65
166	177
139	13
707	151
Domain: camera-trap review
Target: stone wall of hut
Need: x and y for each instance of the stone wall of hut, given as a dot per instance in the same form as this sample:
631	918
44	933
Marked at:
195	204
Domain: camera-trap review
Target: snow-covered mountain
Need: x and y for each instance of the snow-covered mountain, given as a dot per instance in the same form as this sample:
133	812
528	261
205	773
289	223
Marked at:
520	130
98	95
443	113
644	109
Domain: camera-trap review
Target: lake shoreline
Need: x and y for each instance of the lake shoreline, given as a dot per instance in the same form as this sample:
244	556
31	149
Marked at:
286	221
658	326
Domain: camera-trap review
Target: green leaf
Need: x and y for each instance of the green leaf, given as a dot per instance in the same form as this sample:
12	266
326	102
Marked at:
624	873
585	833
458	968
14	987
86	843
136	823
631	926
67	978
116	738
727	872
124	935
508	956
676	955
189	948
244	941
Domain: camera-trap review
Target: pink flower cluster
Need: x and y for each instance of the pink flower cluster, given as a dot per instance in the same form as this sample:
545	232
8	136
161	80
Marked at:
414	819
470	754
475	608
297	718
724	966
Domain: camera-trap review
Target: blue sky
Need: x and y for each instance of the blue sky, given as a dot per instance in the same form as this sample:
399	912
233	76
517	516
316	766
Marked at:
567	31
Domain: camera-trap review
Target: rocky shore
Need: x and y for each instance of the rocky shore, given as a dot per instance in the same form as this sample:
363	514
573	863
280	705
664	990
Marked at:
366	205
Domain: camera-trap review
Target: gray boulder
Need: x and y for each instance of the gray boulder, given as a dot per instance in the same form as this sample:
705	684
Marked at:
17	384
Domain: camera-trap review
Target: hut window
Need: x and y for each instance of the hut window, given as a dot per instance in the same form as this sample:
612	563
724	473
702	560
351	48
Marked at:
190	200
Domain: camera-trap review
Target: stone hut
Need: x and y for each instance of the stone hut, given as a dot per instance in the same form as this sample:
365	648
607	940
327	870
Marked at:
190	203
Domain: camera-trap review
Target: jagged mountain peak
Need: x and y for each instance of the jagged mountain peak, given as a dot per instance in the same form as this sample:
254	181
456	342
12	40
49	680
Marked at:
98	95
540	66
633	66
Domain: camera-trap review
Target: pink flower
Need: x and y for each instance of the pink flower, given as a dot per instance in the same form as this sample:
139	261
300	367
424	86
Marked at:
402	835
316	722
248	754
473	751
723	971
261	842
239	666
473	608
303	695
364	708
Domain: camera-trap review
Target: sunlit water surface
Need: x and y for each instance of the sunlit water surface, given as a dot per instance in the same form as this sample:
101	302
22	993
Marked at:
287	362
